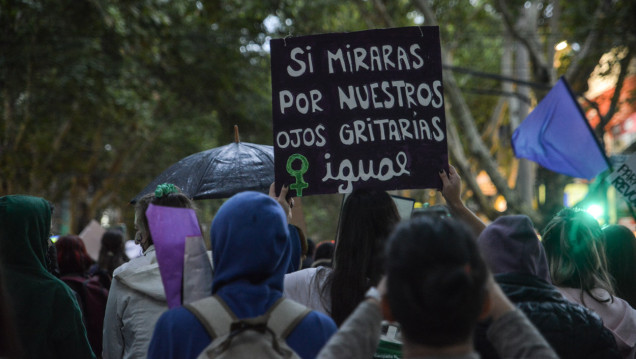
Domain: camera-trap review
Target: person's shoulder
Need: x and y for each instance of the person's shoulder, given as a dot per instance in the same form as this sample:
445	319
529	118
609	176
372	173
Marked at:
623	305
318	319
176	321
177	317
572	320
571	294
123	267
302	274
62	291
136	264
307	275
66	311
178	334
311	334
557	315
299	279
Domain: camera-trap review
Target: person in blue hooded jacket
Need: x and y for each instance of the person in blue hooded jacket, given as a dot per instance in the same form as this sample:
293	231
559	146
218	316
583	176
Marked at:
251	250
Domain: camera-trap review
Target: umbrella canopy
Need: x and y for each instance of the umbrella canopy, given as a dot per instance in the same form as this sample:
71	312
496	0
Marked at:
220	172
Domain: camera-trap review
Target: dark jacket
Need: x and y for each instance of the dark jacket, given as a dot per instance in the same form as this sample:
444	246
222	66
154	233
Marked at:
572	330
48	318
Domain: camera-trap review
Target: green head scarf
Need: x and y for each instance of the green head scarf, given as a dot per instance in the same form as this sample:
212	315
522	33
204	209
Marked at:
25	224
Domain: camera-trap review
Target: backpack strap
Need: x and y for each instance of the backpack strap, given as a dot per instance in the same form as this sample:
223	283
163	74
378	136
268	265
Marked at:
285	315
217	317
214	315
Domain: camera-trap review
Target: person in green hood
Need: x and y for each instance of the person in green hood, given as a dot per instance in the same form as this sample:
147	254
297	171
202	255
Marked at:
48	318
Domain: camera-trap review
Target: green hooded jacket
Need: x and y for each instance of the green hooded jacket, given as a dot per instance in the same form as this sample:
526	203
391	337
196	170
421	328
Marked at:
45	311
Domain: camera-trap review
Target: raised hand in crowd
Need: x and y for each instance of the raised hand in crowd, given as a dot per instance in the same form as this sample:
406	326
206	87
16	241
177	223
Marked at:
451	190
282	199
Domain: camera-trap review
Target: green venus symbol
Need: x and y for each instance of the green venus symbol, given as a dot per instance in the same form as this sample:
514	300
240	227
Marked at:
298	174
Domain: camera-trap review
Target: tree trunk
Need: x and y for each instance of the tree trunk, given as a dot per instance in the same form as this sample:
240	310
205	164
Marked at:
526	171
461	112
463	167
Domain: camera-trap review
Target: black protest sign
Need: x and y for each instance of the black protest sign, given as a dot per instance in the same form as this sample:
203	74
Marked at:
358	110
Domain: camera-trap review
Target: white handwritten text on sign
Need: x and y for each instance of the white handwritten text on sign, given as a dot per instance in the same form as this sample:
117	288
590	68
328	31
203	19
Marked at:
362	109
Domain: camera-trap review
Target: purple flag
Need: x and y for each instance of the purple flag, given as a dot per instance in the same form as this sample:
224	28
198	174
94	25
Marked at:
169	227
557	135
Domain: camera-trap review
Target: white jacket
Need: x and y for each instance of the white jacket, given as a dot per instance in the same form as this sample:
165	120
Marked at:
135	302
305	287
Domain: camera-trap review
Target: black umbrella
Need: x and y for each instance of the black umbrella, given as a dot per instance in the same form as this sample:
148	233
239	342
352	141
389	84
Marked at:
220	172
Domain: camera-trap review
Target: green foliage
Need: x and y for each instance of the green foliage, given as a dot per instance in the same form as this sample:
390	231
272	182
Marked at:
98	97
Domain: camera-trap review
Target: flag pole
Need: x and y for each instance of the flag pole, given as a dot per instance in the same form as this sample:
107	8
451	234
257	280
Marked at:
578	106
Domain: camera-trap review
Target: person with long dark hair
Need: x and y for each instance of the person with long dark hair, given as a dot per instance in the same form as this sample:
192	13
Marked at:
111	255
367	218
575	249
620	248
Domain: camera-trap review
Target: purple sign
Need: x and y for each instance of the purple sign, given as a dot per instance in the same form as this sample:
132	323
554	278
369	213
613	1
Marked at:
356	110
169	228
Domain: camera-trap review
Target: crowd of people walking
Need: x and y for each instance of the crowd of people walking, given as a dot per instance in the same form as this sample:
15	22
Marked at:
452	286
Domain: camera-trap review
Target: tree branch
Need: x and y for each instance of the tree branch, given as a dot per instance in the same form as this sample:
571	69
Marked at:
489	132
530	42
580	67
381	8
624	65
366	15
461	162
462	114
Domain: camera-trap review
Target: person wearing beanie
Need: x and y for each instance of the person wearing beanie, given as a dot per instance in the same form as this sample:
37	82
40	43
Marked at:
516	257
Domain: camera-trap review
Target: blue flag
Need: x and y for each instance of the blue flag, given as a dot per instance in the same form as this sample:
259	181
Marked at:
557	135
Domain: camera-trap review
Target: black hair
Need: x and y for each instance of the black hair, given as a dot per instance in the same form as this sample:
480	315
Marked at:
112	253
324	250
620	249
323	255
309	256
436	280
574	244
368	217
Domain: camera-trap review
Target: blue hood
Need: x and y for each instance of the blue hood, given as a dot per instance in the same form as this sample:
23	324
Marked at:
251	251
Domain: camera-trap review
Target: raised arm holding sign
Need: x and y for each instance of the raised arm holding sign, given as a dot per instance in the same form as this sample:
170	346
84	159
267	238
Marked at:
451	191
359	110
